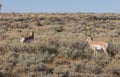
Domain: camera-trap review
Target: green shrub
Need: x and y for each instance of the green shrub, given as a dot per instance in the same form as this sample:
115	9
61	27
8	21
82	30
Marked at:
86	66
73	50
2	74
113	48
113	68
62	72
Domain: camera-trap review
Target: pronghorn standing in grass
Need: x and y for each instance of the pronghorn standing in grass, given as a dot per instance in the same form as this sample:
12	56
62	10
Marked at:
97	45
27	38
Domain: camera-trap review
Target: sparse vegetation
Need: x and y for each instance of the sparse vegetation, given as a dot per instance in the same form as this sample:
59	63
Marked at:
59	47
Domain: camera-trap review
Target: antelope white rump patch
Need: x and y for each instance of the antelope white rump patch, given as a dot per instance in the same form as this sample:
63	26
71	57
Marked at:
22	40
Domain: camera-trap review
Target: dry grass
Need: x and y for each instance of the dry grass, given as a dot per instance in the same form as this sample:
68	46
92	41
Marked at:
60	47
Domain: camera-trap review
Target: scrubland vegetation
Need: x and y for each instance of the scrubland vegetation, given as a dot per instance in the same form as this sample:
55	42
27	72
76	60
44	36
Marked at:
59	48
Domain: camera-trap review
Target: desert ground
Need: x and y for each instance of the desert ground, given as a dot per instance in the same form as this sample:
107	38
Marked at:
59	48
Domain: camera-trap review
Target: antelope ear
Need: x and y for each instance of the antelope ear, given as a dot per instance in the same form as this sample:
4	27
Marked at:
91	38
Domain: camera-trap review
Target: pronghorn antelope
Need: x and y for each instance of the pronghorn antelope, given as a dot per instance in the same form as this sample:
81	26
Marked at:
97	45
27	38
